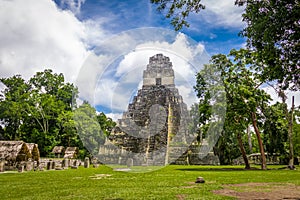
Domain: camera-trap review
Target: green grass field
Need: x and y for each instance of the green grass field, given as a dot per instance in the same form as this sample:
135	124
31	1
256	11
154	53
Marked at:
171	182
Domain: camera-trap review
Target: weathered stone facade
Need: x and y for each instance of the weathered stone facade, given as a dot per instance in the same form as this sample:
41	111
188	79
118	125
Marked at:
154	129
159	72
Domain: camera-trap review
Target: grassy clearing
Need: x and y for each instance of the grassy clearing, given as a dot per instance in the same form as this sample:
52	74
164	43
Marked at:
172	182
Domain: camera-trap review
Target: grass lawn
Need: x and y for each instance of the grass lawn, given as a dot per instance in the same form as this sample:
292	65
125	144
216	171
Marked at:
171	182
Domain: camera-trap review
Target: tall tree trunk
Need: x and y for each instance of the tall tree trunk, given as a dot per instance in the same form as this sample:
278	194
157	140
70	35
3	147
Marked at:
290	132
243	151
289	117
260	144
249	139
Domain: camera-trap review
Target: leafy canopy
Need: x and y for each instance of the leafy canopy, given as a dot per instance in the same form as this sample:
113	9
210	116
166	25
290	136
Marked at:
179	10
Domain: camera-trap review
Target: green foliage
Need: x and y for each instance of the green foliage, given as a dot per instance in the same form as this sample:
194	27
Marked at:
194	124
275	129
39	110
227	147
296	132
51	155
88	127
244	99
106	123
273	31
179	10
12	102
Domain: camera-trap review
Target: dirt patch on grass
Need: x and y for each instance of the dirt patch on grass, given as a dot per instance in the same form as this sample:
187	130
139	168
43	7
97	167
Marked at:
100	176
261	191
181	196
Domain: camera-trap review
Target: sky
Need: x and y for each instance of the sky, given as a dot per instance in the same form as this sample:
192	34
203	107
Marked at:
104	46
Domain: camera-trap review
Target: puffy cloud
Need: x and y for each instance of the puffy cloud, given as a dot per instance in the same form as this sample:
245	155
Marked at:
36	35
95	34
220	13
289	95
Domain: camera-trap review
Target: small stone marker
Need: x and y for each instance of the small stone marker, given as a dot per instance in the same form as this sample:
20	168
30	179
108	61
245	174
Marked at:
2	163
41	167
21	168
29	165
129	162
86	162
53	165
48	165
200	180
35	165
65	163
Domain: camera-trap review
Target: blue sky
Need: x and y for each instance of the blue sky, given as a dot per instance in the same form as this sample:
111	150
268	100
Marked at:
217	28
103	46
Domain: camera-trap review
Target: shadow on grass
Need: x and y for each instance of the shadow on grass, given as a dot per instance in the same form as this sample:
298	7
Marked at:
217	169
224	168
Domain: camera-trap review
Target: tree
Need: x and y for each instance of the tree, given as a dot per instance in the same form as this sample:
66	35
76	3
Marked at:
12	105
50	100
179	10
38	110
228	147
106	123
275	128
244	90
244	98
296	130
88	127
211	108
209	80
290	134
273	32
194	126
211	91
67	130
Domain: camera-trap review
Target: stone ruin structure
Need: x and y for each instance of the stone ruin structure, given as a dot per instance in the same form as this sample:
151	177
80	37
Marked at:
154	129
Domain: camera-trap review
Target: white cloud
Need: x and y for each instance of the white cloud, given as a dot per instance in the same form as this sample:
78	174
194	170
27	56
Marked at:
95	34
88	75
36	35
221	13
188	94
114	116
181	47
289	95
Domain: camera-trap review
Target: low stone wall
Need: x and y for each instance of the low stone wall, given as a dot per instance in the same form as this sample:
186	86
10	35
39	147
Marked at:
255	158
49	164
193	156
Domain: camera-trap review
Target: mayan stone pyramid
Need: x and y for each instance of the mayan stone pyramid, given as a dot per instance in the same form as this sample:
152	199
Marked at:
155	118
